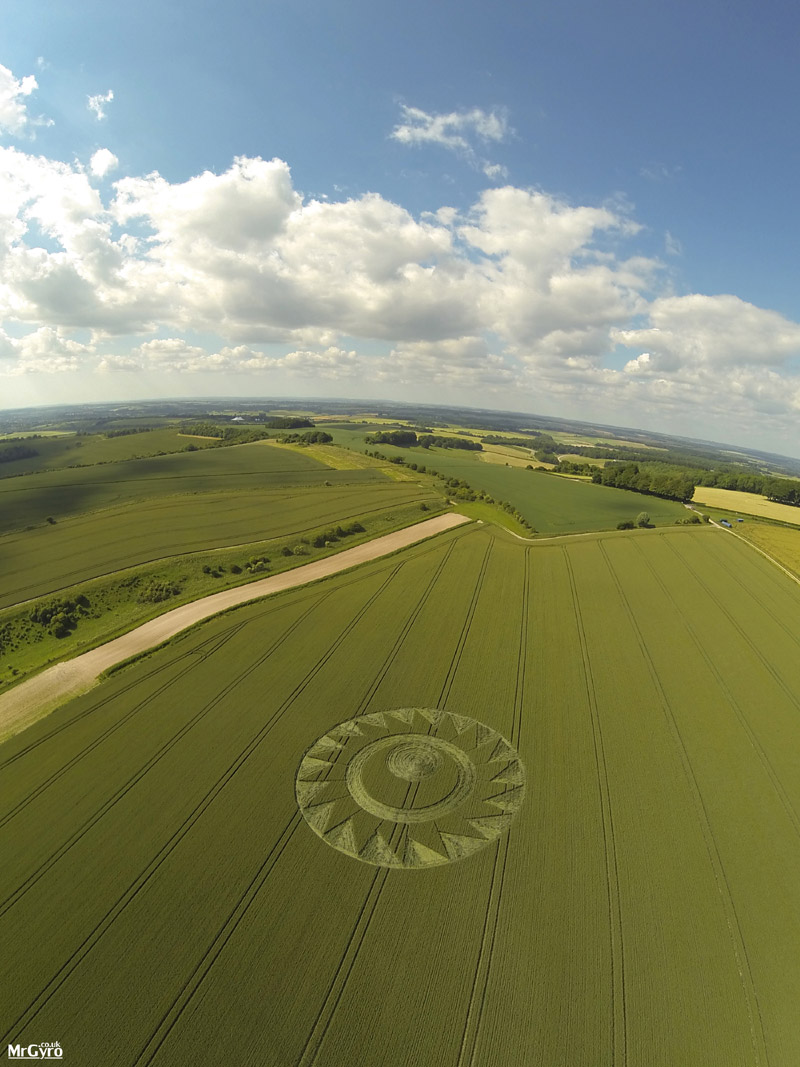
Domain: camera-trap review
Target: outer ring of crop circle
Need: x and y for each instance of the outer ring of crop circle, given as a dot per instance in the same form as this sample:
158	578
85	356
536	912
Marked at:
500	789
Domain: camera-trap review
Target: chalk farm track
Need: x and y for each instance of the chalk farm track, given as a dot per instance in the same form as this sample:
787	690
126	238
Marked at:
193	871
26	702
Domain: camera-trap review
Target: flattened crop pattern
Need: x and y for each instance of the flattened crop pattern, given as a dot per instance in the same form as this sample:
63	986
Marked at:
635	702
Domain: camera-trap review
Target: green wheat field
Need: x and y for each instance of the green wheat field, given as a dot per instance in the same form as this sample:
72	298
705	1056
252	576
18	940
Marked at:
607	750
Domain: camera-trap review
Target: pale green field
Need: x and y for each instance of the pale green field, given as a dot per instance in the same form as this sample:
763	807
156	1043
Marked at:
163	899
76	549
59	494
550	503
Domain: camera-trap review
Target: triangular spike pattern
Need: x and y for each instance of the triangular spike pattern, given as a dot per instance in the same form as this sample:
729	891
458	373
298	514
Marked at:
325	744
512	775
307	791
377	850
459	845
502	751
354	814
318	815
349	728
490	826
343	837
419	855
482	733
405	715
508	801
375	718
433	715
461	722
311	767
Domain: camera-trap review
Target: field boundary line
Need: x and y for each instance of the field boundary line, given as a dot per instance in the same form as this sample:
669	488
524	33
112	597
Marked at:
766	555
202	651
177	836
270	608
741	958
45	691
619	1027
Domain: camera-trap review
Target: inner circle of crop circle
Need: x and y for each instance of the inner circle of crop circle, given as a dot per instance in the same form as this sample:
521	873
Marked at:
410	787
413	761
426	747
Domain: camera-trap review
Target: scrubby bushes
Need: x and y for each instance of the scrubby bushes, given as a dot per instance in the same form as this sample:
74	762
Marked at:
60	617
155	591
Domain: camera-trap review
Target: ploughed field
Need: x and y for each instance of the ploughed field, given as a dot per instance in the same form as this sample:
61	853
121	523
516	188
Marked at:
582	848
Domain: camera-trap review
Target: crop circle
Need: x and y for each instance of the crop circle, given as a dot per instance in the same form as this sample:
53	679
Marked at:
413	761
412	787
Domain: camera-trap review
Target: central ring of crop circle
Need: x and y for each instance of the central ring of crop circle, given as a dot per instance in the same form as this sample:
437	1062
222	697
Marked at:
411	787
426	748
413	761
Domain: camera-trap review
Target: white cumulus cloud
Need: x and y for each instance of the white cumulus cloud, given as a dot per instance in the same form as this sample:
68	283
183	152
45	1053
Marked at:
43	351
97	104
103	162
522	296
13	107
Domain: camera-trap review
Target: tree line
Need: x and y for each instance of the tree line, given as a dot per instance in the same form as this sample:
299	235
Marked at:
674	483
653	479
13	452
409	439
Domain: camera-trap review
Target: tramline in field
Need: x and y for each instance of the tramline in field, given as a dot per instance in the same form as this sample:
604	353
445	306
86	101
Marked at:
615	916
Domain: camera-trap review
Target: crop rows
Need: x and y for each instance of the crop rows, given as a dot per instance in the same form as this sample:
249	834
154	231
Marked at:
50	558
31	499
156	856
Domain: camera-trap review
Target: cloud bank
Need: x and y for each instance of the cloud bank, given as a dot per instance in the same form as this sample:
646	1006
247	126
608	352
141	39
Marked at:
14	117
524	300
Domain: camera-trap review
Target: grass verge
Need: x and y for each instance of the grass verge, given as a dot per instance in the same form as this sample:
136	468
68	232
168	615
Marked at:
52	628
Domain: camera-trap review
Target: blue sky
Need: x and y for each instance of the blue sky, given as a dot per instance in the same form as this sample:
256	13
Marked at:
572	208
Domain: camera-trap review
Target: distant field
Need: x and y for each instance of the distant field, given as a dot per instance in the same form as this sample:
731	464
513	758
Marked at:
40	561
572	458
746	503
502	454
551	504
56	451
639	910
32	498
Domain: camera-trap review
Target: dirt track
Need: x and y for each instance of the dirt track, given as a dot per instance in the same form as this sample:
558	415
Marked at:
31	700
